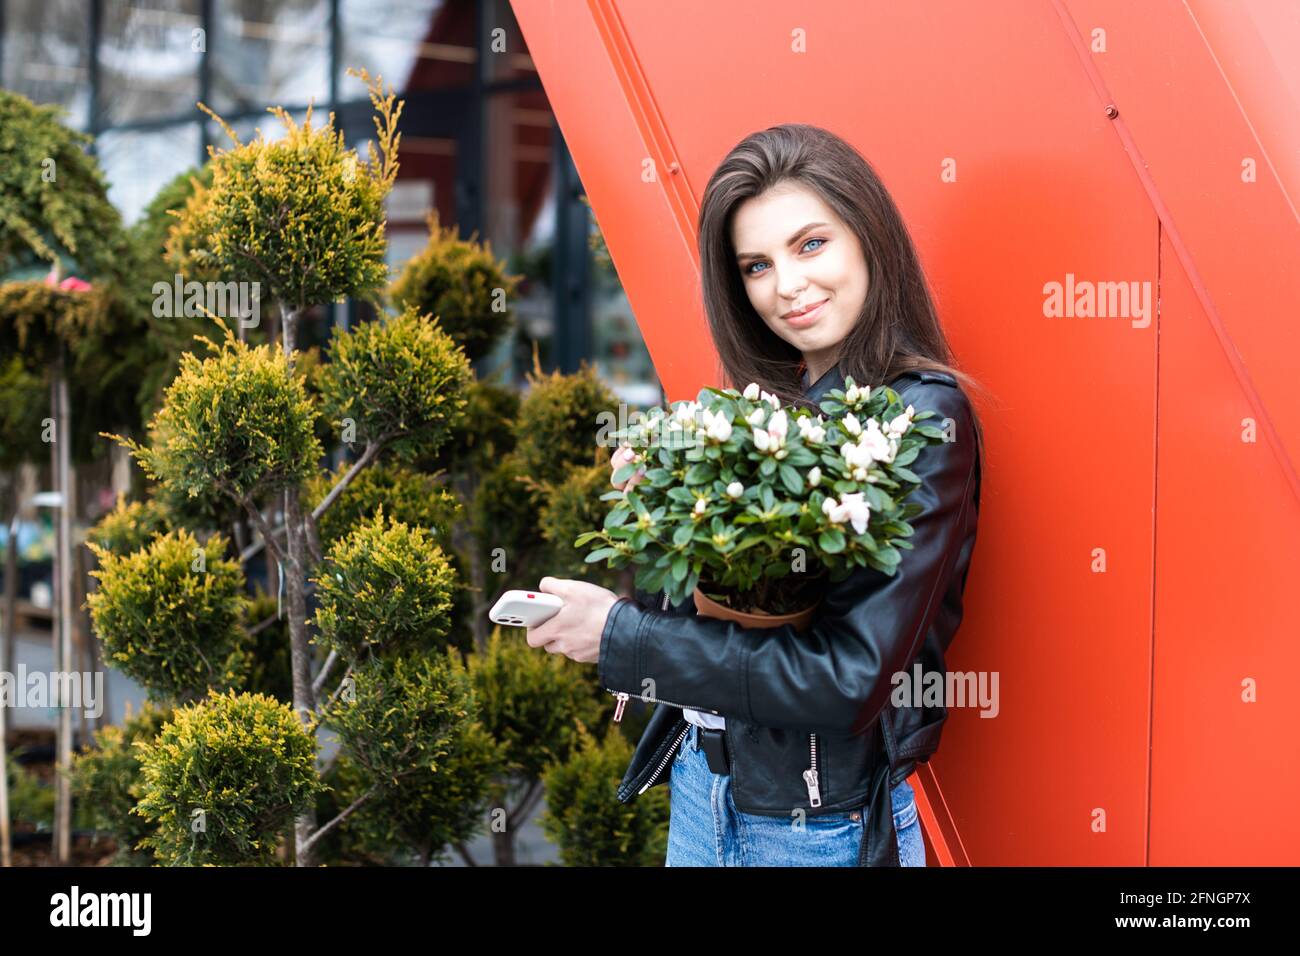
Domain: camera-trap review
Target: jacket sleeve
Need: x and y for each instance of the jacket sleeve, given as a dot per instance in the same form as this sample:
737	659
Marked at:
836	674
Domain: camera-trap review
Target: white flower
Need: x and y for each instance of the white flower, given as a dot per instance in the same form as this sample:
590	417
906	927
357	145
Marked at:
852	424
813	433
877	445
901	423
772	438
855	455
850	507
755	418
716	426
751	391
699	506
856	461
778	425
814	476
735	489
771	399
857	394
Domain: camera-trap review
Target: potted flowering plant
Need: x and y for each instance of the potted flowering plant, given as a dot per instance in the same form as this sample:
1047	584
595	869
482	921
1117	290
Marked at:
752	507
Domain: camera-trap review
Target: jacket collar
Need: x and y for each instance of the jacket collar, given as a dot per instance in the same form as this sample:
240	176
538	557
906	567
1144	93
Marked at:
829	380
835	379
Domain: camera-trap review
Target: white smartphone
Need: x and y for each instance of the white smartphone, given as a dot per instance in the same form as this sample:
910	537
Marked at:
525	608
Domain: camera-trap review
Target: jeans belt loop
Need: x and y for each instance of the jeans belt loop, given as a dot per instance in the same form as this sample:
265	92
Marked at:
714	743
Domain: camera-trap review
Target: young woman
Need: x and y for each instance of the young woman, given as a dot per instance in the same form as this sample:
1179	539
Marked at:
784	747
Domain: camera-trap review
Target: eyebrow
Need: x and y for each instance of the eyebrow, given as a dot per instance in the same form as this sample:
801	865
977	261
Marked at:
742	256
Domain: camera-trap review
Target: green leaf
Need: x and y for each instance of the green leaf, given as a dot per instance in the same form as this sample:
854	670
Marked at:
832	541
792	480
653	580
701	473
907	456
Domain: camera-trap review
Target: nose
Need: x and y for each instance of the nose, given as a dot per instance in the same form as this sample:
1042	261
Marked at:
790	286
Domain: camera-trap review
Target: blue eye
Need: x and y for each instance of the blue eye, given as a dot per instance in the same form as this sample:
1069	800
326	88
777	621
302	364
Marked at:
749	269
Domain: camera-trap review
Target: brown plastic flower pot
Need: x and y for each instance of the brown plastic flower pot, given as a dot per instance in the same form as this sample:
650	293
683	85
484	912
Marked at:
711	608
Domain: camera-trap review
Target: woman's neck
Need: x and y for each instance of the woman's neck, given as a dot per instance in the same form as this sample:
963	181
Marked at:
817	367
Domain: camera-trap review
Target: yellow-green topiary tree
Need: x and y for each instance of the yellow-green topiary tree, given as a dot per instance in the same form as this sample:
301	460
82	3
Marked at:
301	216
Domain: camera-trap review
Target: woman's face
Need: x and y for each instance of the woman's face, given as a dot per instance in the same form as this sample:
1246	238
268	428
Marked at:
794	254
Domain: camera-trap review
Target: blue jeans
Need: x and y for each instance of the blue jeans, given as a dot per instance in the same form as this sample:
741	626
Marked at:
706	829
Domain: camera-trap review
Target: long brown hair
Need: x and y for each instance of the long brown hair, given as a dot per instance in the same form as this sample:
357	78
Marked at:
898	329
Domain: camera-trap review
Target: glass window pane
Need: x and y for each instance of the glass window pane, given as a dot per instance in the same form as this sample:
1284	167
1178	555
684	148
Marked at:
46	54
149	59
270	52
413	44
138	164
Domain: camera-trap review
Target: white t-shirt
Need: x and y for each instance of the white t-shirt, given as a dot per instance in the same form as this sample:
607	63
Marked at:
701	719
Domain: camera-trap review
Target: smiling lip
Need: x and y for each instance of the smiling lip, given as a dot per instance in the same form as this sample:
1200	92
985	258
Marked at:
806	318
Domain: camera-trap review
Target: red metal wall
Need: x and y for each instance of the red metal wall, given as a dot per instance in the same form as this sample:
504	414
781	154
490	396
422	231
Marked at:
1140	534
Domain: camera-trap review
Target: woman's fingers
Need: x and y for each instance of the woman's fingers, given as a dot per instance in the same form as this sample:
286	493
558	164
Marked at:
617	460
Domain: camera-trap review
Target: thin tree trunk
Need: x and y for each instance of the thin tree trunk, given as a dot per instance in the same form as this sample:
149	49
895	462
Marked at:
295	582
503	845
304	699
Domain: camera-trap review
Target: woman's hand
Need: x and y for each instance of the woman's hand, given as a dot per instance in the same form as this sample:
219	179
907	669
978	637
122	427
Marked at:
622	456
574	632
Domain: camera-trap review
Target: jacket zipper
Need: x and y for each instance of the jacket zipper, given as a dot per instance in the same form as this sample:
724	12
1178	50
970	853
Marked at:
810	775
666	758
623	697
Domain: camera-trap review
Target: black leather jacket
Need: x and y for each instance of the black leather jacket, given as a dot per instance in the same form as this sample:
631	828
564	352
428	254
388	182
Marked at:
818	699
